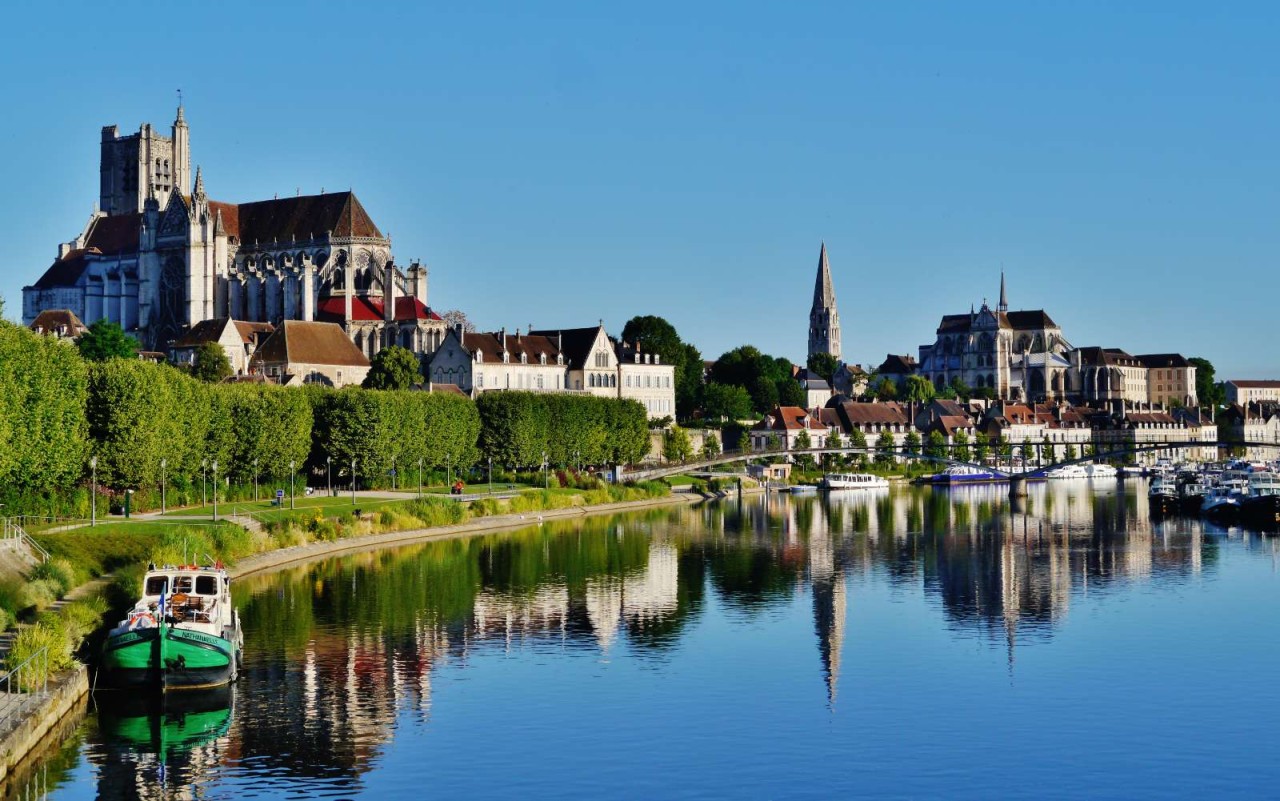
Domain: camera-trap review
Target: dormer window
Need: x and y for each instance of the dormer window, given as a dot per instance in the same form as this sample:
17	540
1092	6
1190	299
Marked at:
559	359
506	357
524	358
542	359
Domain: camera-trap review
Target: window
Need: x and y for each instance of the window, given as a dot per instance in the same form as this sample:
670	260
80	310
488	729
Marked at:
479	379
206	585
539	382
628	380
156	585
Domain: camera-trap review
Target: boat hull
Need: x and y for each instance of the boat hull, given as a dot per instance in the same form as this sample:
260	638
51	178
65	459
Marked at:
1163	505
168	658
1261	511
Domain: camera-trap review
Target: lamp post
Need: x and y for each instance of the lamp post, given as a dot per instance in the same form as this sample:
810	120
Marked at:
215	490
255	479
419	476
93	494
204	482
577	460
546	473
490	475
448	466
292	468
328	472
393	474
353	482
163	463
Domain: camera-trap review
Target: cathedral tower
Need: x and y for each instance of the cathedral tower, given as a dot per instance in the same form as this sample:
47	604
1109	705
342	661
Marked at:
137	166
824	320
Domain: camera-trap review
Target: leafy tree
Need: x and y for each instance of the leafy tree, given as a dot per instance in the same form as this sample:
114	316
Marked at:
710	445
1208	392
689	384
911	443
107	340
726	402
824	364
1071	452
960	446
790	393
884	447
803	441
393	368
766	378
835	441
676	446
744	441
1003	449
655	335
981	447
985	393
959	388
1047	450
937	445
764	393
211	364
886	389
455	316
919	389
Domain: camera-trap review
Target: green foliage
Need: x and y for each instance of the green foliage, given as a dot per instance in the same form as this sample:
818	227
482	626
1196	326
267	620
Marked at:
960	446
1208	392
710	445
936	445
981	447
211	364
726	402
393	368
919	389
824	364
744	441
655	335
911	443
767	379
959	389
676	446
517	428
1070	452
107	340
43	435
886	389
884	447
1003	449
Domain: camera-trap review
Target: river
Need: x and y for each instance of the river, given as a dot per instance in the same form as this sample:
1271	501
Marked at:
910	643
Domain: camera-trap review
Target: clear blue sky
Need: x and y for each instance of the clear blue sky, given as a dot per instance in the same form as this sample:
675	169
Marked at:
557	163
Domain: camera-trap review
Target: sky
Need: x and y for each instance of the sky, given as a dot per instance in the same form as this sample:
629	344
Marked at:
558	163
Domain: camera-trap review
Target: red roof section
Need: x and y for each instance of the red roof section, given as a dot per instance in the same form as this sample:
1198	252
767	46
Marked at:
333	308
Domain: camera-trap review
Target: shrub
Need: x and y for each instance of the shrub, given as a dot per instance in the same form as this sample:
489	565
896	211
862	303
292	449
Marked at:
49	634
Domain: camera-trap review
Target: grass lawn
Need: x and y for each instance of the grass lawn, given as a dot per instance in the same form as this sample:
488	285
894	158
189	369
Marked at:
109	546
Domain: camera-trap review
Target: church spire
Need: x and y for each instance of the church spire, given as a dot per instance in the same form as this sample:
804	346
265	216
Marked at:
198	189
824	321
1004	298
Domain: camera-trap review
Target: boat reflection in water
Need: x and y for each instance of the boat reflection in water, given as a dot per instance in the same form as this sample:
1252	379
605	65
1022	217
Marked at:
160	746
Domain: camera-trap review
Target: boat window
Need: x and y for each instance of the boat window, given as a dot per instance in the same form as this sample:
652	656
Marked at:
156	585
182	584
206	585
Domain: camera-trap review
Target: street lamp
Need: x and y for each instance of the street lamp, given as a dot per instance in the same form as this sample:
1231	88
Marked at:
490	475
215	490
328	471
163	463
353	482
448	466
93	495
255	479
292	468
419	476
204	482
546	473
393	474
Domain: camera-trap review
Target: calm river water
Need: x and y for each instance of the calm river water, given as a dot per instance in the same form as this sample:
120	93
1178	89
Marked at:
919	643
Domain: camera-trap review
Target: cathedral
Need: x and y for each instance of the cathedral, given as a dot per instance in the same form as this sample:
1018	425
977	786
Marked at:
158	260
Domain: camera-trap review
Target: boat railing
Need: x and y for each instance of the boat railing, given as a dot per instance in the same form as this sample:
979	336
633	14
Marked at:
23	685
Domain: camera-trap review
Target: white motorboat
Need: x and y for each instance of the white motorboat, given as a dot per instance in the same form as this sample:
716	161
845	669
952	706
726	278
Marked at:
851	481
1068	471
1097	471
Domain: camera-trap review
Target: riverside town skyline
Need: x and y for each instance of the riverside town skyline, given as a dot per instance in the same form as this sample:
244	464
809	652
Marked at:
898	178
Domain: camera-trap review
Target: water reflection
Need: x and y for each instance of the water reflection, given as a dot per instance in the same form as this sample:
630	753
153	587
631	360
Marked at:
341	655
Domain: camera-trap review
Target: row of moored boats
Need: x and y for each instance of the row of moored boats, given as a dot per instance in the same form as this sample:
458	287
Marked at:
1239	491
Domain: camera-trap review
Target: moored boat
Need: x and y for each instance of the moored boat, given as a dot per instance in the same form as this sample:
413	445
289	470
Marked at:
1162	497
183	633
1069	471
1261	506
852	481
966	474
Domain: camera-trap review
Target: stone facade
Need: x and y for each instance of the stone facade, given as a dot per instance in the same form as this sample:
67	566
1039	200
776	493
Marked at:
1240	391
824	320
302	352
159	261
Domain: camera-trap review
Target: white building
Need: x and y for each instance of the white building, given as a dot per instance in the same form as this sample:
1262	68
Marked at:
239	340
1241	391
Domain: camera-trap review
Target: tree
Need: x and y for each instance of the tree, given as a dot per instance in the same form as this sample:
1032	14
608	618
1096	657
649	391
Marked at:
1047	450
884	447
654	334
211	364
980	448
1004	451
454	317
959	388
911	442
689	384
803	443
960	449
393	368
764	393
676	446
107	340
725	402
937	445
857	440
1071	452
886	389
919	389
744	441
834	441
790	393
824	364
710	445
1208	392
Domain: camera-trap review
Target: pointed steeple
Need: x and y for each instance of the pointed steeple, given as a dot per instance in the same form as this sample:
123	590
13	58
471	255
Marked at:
198	189
1004	298
824	320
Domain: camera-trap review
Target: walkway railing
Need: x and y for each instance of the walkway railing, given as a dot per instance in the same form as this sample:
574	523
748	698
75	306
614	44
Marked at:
27	680
15	533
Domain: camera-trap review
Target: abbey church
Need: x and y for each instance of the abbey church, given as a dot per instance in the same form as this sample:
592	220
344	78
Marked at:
158	256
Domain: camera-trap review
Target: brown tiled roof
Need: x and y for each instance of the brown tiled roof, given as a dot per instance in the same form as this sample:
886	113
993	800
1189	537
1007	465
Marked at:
54	320
860	414
202	332
897	364
303	218
247	330
118	234
1149	417
1032	320
303	342
532	345
65	271
789	418
1252	384
230	217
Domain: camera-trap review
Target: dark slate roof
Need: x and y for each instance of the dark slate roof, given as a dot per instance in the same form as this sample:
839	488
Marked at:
575	343
202	332
1032	320
304	217
65	271
1095	357
1163	360
303	342
118	234
897	365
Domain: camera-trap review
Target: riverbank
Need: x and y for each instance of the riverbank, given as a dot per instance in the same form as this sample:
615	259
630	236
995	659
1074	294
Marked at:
275	559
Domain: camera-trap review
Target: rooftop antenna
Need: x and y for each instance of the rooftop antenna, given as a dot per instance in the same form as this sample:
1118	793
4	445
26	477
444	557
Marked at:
179	97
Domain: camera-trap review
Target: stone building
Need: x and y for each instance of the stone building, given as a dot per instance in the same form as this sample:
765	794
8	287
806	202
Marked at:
1256	421
782	426
1242	391
303	352
58	323
1171	379
1110	374
239	340
824	320
159	261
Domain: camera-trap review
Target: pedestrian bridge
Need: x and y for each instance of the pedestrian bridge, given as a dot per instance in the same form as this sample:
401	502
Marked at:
1013	472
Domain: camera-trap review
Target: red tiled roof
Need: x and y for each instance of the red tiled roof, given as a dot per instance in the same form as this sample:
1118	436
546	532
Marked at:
790	418
858	414
230	217
333	309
